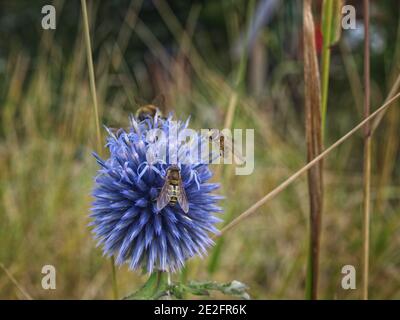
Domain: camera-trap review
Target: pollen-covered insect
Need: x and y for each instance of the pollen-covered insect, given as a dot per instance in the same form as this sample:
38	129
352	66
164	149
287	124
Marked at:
150	110
225	144
147	111
173	190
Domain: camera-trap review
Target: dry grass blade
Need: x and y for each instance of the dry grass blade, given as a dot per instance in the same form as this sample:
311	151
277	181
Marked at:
312	95
91	72
391	94
15	282
250	211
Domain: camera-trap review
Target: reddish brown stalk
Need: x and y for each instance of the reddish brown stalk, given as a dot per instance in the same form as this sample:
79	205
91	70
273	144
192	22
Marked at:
312	95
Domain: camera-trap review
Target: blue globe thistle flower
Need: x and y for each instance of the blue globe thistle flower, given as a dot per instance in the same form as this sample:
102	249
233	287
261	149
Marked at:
125	218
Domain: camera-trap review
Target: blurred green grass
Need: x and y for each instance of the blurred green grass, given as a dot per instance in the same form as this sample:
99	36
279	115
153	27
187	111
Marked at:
46	168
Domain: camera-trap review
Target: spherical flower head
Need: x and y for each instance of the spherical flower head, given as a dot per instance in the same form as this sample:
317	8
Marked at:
125	218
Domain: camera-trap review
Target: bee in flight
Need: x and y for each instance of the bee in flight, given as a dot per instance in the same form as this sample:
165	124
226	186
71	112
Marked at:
225	145
173	191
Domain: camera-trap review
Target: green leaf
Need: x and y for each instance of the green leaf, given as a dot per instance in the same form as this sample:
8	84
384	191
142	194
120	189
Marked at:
179	290
331	21
234	288
336	21
157	287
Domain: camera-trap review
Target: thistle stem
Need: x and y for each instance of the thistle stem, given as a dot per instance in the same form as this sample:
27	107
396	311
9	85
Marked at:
169	283
114	278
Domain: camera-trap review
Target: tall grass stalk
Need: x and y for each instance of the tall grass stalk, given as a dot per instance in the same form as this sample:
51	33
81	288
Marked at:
367	155
270	195
313	125
91	73
96	112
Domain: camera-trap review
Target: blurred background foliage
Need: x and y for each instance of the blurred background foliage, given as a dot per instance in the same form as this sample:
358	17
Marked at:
199	55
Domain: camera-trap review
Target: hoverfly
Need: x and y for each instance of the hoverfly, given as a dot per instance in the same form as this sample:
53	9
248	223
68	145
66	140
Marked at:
225	145
173	190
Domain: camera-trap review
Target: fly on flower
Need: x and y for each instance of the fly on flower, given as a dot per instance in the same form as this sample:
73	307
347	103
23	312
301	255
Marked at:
173	190
133	219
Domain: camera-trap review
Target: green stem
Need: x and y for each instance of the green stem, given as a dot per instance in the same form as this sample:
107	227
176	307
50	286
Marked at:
154	288
162	283
327	14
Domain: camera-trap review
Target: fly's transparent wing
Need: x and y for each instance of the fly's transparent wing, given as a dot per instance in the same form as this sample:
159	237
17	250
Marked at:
229	147
182	200
214	137
164	197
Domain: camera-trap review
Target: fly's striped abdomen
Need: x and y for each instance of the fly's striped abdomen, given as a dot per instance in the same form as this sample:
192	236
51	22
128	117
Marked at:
173	191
